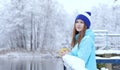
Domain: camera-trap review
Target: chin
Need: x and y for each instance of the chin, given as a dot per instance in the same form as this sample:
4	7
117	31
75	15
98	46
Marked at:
78	30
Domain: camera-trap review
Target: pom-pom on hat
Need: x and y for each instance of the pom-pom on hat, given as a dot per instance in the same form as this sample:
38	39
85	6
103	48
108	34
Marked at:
85	17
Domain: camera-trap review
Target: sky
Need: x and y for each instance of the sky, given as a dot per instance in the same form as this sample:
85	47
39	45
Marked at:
71	5
81	5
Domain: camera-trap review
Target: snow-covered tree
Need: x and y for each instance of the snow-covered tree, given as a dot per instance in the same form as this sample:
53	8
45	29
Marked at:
33	25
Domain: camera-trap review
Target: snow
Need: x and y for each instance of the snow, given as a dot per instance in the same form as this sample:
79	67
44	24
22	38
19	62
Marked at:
27	55
107	51
16	55
56	33
100	30
115	57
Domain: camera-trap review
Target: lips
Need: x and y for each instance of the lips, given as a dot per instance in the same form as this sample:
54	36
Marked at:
78	27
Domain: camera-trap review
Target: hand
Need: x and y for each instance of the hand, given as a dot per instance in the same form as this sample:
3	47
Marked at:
63	51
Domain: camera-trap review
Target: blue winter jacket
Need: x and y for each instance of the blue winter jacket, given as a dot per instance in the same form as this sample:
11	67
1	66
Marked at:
86	50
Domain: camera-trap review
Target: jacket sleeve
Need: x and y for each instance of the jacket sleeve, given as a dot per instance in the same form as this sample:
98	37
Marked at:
85	49
74	51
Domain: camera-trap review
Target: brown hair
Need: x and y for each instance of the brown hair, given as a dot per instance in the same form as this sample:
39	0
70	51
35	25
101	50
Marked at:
81	35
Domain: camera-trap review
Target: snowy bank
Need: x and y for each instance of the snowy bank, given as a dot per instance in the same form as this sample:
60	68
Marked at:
25	54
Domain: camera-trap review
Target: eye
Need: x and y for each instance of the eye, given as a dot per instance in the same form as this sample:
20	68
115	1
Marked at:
76	21
81	22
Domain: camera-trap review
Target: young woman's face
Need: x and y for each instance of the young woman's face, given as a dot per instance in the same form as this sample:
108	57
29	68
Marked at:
79	25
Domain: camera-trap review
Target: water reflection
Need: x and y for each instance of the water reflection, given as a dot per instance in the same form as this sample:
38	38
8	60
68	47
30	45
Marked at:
34	64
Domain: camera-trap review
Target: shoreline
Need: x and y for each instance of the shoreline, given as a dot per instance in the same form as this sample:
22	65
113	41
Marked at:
28	54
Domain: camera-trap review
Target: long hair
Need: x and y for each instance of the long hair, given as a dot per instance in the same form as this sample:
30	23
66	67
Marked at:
81	35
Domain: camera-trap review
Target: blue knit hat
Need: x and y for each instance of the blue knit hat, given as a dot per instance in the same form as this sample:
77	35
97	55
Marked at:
85	17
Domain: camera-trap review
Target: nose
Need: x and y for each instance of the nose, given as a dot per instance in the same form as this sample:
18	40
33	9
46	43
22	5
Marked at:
79	25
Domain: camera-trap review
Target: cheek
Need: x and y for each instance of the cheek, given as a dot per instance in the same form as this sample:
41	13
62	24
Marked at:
79	25
75	25
82	25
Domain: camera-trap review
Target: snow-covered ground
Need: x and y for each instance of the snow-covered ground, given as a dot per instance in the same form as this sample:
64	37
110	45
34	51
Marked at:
25	54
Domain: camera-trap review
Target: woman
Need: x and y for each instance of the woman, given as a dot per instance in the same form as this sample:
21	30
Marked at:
82	44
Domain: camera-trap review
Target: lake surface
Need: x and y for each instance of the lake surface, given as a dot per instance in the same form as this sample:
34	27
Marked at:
31	64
